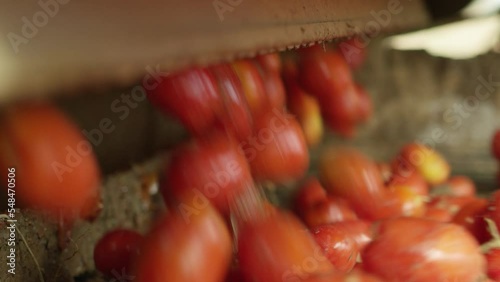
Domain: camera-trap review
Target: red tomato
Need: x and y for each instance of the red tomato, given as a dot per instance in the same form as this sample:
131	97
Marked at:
359	230
456	186
353	51
279	248
338	247
493	261
409	202
438	214
270	62
450	203
210	168
235	116
419	250
115	252
274	87
56	170
327	211
349	174
189	95
471	216
365	106
253	86
186	249
412	180
495	145
310	193
277	151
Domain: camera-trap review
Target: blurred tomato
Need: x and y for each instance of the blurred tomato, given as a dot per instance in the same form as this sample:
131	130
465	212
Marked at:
410	179
209	168
235	115
277	151
190	96
56	170
359	230
419	250
253	86
271	62
456	186
310	193
410	203
115	252
184	249
279	248
493	261
329	210
365	105
471	216
338	247
353	51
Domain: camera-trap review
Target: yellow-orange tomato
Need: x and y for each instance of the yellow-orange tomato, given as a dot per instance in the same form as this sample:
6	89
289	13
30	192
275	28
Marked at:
56	170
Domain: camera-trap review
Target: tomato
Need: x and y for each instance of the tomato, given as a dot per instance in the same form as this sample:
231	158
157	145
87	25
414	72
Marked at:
340	110
328	211
438	214
274	87
493	261
412	180
495	145
347	173
420	250
211	168
310	193
365	106
338	247
429	163
56	170
190	96
115	252
235	115
353	51
253	86
359	230
307	110
277	151
456	186
279	248
409	202
271	62
471	216
183	249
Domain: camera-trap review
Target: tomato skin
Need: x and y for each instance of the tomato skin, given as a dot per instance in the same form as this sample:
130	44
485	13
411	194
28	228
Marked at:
189	95
432	251
211	167
353	52
270	62
340	249
116	250
328	211
361	231
252	84
410	179
347	173
277	151
365	104
56	170
493	261
184	249
459	186
235	116
279	248
409	202
310	193
495	145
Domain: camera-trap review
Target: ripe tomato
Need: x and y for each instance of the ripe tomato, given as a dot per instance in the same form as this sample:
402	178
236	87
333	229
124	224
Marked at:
184	249
310	193
270	62
253	86
235	115
307	110
419	250
493	261
279	248
359	230
438	214
274	87
353	51
340	249
365	106
328	211
459	186
190	96
56	169
277	151
349	174
115	252
409	202
210	168
495	145
412	180
429	163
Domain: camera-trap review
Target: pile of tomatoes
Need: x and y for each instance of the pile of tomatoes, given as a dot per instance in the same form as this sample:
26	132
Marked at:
251	123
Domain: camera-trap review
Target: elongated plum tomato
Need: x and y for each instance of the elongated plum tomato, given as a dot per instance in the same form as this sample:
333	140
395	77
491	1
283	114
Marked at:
359	230
349	174
279	248
270	62
115	252
190	96
420	250
330	210
338	247
181	248
277	151
211	167
235	115
410	179
56	169
275	89
252	84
